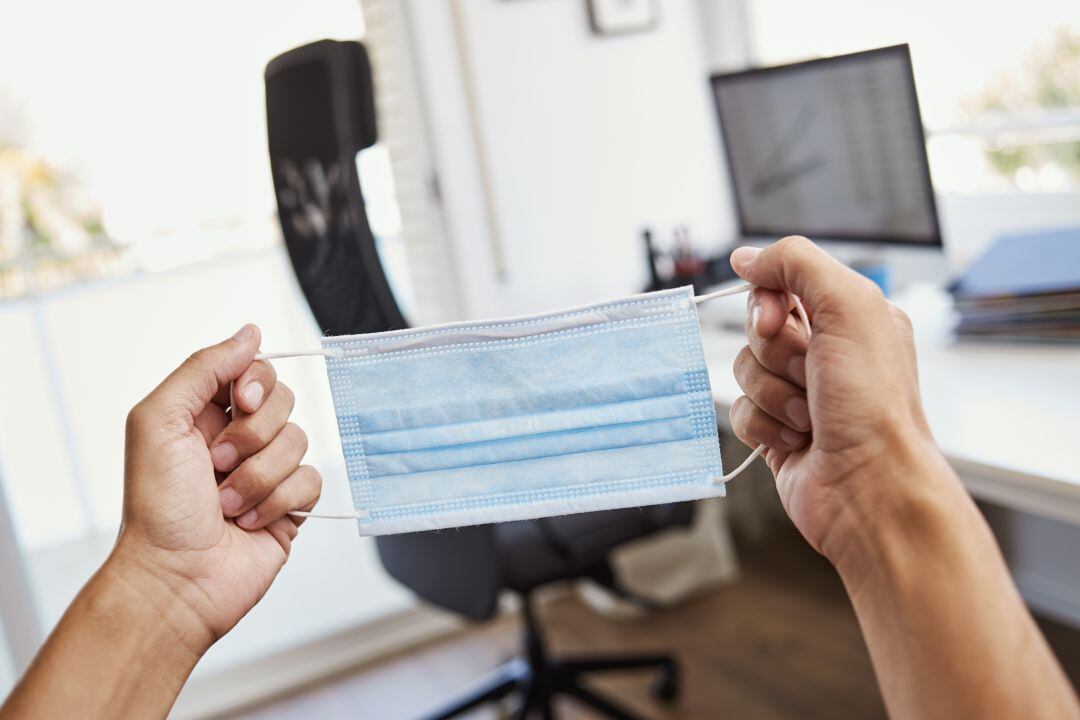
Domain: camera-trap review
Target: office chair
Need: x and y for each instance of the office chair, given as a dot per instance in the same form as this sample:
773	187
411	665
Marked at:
320	114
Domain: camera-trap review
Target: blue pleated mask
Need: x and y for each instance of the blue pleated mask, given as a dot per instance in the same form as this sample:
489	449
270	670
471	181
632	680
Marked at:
593	408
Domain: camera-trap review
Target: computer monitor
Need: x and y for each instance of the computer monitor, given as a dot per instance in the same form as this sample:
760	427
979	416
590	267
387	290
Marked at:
832	149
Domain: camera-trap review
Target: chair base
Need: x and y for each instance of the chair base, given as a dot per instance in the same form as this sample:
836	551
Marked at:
561	677
537	680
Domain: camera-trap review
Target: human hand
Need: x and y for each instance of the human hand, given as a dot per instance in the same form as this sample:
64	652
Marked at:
206	496
840	413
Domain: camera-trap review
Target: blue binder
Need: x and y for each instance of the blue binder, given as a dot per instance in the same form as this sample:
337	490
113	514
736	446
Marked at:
1024	264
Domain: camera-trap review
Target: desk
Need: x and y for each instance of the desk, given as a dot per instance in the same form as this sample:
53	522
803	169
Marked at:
1007	418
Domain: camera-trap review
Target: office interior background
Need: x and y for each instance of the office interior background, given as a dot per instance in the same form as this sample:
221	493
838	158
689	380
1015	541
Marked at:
522	152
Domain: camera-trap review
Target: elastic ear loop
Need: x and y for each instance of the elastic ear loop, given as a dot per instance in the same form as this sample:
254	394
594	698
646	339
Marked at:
803	318
698	299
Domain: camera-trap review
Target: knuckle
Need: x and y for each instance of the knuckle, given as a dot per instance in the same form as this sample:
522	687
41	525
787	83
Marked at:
313	482
266	370
738	415
753	428
253	433
257	475
137	417
753	419
739	366
754	387
199	358
753	381
793	244
313	475
733	416
901	318
869	291
296	437
287	394
262	433
763	426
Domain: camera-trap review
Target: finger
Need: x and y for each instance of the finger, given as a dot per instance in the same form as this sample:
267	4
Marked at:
768	309
256	477
775	459
777	397
229	397
284	532
254	385
199	379
755	427
794	264
211	421
299	491
783	351
298	521
248	434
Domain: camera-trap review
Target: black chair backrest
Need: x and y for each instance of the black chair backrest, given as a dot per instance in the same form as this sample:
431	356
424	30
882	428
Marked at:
320	112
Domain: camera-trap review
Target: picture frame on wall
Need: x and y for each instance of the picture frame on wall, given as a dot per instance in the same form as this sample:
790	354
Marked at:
620	17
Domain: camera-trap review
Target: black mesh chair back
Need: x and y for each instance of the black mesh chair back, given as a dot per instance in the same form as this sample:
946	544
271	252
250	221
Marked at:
320	113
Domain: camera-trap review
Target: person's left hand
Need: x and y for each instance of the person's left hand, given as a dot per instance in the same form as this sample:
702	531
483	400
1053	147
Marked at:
206	495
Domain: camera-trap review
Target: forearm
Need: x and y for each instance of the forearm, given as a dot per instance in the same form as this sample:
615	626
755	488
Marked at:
124	648
947	631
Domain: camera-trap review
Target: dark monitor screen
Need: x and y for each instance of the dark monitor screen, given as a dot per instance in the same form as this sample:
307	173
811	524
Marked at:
831	149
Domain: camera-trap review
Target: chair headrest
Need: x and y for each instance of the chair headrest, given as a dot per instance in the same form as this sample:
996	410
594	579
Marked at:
341	69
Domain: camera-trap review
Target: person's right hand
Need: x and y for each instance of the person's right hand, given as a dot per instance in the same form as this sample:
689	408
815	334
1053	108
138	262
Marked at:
840	413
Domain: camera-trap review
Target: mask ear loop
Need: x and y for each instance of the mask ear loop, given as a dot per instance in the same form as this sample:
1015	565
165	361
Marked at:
803	318
727	292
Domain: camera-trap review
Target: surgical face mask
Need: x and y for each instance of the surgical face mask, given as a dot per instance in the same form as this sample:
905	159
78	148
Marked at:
597	407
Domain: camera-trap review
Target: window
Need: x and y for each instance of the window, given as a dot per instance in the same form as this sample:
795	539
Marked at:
137	222
999	83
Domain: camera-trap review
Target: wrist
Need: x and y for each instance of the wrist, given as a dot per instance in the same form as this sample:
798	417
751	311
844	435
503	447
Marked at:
159	596
116	652
904	503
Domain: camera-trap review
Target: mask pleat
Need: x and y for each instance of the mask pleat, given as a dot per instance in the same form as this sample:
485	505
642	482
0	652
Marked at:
588	473
552	444
423	437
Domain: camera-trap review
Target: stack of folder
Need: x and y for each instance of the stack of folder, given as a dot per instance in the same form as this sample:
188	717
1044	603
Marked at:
1025	287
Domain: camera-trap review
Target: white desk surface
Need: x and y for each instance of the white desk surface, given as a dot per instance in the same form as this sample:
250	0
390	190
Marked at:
1007	416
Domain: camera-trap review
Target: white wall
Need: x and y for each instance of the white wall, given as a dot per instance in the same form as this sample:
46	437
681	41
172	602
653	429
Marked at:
587	139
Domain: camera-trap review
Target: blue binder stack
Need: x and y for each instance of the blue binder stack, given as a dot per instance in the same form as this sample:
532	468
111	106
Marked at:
1025	287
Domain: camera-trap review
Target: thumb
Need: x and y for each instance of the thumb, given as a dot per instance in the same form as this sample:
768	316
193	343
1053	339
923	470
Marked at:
207	373
796	265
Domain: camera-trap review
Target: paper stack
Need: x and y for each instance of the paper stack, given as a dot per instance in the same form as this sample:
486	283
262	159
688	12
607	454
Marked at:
1025	287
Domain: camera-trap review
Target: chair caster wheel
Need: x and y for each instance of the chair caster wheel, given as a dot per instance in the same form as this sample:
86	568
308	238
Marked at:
666	687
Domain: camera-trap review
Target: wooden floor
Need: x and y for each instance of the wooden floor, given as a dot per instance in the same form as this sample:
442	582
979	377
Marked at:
782	642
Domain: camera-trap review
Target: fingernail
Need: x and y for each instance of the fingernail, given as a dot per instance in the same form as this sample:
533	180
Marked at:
224	456
744	255
231	501
798	412
791	438
247	519
797	369
253	393
755	315
244	333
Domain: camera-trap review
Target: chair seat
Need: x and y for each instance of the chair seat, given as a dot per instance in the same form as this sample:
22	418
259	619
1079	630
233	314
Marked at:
535	552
